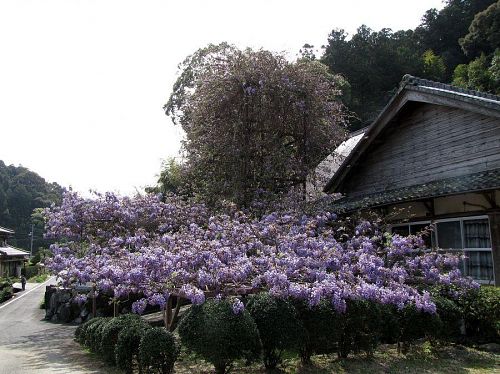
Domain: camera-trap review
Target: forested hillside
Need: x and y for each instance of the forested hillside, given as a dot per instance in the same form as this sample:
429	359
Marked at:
22	191
454	45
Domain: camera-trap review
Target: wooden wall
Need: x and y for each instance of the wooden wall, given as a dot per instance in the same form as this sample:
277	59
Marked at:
426	143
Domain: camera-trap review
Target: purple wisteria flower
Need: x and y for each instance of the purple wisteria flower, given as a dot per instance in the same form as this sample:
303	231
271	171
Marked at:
144	247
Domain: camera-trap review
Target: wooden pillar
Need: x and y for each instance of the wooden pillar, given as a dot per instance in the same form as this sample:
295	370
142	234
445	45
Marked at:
94	307
169	313
495	244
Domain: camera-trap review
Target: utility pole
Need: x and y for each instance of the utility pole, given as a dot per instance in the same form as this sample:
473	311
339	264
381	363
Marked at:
31	241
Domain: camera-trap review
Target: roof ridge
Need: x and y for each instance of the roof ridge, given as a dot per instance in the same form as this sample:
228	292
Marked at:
410	80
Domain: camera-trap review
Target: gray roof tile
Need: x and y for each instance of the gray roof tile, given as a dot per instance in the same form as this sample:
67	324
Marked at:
481	181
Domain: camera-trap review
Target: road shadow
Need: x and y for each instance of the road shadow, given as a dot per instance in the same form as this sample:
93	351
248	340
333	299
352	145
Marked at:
53	350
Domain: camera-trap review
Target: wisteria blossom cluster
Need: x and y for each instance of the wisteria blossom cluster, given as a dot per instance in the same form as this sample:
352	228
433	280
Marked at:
154	249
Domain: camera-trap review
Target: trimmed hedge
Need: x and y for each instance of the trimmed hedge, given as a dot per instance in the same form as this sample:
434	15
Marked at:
6	290
361	328
110	331
127	346
481	310
279	326
322	329
81	331
158	351
93	335
220	336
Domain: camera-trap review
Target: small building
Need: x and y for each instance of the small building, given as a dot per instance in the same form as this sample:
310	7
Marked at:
11	259
432	159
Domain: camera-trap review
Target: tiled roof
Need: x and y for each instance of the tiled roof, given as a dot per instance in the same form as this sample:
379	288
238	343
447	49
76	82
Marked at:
409	80
411	85
486	180
11	251
4	230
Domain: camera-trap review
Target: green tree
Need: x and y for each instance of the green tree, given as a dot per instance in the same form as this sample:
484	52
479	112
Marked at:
21	192
440	31
173	179
461	76
373	63
480	74
484	32
434	67
254	121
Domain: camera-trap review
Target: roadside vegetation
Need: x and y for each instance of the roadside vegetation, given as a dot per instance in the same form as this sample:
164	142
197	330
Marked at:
369	337
6	289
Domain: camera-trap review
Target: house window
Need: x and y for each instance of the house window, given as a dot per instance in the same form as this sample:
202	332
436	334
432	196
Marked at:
470	235
421	228
449	235
477	233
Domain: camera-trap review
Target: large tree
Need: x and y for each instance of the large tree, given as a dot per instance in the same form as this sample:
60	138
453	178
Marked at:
373	63
441	30
254	120
484	32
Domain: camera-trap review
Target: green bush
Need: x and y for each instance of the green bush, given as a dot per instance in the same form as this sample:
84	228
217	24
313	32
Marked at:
109	334
127	345
82	331
482	314
322	329
389	329
279	326
93	334
361	327
5	283
414	324
30	271
451	315
220	336
158	351
6	293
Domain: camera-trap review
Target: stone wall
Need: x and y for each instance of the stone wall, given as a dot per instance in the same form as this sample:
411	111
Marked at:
60	308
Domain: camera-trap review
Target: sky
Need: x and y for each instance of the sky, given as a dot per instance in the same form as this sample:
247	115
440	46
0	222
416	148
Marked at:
83	82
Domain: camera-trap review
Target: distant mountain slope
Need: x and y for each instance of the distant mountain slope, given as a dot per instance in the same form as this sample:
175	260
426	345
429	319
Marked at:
22	191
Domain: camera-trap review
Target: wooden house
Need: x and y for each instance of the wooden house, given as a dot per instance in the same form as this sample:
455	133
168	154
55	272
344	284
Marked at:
432	158
11	259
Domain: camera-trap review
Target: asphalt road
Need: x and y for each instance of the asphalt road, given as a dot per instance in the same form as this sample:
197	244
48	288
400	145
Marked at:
28	344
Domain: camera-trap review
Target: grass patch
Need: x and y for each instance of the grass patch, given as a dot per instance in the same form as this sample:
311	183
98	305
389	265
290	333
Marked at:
422	359
39	278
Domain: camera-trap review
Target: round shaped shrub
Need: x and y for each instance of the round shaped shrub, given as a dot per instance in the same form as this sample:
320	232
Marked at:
219	335
158	351
81	331
389	321
415	324
93	336
451	316
279	326
482	314
322	329
361	327
110	331
127	345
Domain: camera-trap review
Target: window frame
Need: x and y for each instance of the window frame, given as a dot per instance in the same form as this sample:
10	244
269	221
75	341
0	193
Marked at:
464	250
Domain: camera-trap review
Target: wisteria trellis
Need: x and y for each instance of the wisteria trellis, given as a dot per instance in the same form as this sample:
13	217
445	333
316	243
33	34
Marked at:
155	249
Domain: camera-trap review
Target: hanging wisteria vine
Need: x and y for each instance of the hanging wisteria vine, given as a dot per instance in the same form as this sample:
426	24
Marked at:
154	249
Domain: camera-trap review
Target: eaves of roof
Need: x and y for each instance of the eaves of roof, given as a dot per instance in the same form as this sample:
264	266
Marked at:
476	182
